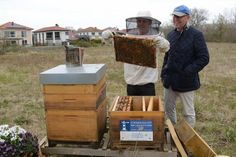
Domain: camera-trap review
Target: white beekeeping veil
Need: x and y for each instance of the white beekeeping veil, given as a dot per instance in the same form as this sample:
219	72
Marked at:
131	23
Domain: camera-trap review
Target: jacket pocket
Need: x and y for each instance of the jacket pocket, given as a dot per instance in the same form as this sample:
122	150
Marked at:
183	82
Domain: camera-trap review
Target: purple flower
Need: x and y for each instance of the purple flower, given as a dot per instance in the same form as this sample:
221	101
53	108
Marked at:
15	141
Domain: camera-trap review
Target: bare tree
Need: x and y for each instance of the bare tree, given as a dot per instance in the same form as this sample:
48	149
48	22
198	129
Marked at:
221	25
234	16
198	17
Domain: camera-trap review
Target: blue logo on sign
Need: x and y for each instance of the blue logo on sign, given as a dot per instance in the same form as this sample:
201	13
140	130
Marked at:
136	125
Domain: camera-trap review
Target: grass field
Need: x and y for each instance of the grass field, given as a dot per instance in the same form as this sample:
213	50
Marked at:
21	100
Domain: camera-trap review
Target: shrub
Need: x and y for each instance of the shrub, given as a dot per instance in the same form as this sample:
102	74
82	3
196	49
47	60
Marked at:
17	142
83	43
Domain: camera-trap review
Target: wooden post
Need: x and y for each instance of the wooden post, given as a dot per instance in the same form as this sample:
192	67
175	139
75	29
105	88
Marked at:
115	104
176	139
150	104
144	105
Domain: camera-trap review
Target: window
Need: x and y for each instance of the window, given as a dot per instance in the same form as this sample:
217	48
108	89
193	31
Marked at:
6	34
49	36
57	35
24	42
13	34
13	42
67	33
93	33
23	34
9	34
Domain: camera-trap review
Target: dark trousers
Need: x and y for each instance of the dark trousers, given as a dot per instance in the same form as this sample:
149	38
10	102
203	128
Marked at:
141	90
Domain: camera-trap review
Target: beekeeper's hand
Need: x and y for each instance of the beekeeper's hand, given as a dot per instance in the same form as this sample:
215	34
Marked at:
161	43
107	34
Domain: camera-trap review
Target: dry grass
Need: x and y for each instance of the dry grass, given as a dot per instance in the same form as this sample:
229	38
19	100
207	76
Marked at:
21	100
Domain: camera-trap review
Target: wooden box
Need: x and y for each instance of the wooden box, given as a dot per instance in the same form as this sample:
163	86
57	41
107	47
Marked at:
76	125
154	120
192	141
74	96
139	51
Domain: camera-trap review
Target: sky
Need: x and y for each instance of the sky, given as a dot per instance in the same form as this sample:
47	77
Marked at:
101	14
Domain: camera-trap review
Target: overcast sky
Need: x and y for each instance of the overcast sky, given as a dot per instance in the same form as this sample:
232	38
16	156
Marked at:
98	13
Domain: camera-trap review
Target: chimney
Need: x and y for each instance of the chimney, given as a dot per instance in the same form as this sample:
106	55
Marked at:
56	25
12	23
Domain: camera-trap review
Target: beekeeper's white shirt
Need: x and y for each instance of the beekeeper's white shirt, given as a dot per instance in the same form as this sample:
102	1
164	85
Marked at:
140	75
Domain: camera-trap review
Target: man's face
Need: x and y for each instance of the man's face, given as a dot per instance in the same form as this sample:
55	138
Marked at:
180	21
143	25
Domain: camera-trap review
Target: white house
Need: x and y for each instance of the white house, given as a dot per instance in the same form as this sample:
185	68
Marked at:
94	32
53	35
13	33
91	32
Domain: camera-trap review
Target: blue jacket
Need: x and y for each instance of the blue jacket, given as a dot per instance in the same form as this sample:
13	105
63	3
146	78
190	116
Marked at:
188	54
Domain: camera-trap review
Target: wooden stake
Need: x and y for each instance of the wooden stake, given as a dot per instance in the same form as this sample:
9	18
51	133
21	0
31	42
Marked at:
176	139
143	102
150	104
114	107
129	104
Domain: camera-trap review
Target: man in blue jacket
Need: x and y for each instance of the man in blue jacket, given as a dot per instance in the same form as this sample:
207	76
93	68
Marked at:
188	54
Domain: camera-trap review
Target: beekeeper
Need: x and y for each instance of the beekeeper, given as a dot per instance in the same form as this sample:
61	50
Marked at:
141	80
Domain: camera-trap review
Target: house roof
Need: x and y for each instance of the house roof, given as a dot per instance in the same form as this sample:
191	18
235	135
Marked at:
111	29
90	29
51	28
13	25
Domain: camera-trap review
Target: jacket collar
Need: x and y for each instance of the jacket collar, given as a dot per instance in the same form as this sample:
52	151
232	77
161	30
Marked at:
186	27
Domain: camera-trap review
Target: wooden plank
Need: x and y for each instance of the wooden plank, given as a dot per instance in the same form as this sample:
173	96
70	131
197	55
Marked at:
193	143
115	104
150	104
42	144
175	138
74	88
143	104
77	149
100	152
